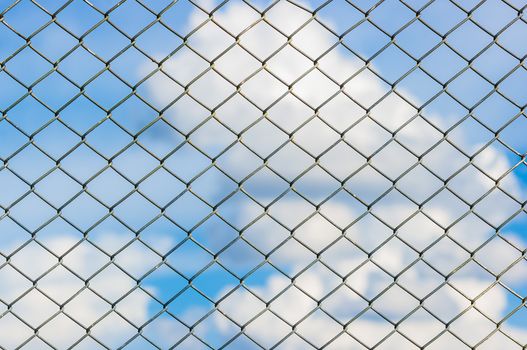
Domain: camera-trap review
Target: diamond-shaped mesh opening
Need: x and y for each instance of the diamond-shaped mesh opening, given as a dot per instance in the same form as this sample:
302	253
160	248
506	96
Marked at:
263	175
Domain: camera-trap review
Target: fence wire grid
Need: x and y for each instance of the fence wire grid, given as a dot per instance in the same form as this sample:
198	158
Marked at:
239	174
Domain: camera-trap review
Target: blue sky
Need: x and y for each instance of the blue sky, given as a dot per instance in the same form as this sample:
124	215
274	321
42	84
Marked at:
93	119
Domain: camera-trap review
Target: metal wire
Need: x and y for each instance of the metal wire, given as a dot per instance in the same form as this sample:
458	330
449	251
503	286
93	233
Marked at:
87	202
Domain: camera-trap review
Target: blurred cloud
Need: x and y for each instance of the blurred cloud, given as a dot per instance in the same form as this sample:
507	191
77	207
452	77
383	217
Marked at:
389	300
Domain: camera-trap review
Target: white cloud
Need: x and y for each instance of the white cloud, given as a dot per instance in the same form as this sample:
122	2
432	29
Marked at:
392	113
85	307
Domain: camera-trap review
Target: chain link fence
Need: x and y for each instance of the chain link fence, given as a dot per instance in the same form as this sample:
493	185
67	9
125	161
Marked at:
239	174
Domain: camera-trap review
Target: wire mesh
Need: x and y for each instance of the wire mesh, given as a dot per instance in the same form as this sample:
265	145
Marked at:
263	174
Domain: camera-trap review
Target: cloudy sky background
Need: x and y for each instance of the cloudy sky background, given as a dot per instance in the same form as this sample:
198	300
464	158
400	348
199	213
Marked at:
310	125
